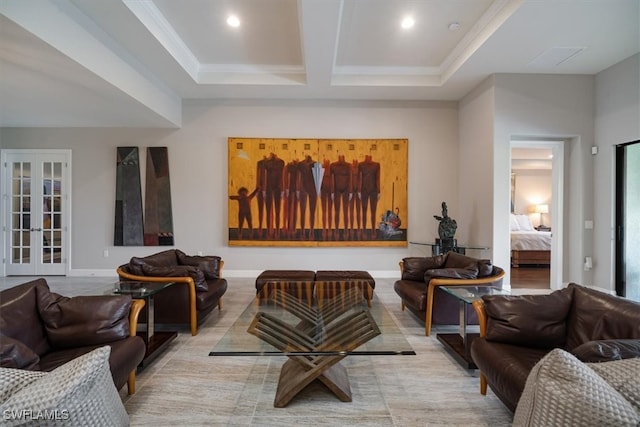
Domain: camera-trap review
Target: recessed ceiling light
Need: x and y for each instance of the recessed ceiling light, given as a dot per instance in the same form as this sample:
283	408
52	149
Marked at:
233	21
407	22
454	26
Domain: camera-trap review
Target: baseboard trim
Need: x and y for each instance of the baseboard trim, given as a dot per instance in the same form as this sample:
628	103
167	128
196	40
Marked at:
79	272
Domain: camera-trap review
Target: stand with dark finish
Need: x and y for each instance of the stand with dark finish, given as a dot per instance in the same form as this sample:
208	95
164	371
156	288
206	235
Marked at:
156	342
459	348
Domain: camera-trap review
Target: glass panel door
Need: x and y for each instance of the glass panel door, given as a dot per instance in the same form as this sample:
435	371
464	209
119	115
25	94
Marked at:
36	213
628	220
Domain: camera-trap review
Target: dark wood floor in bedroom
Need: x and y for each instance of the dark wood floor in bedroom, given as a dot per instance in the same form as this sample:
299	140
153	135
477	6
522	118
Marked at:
530	277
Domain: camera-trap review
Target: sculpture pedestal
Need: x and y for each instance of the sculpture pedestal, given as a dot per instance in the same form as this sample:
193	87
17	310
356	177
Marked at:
443	246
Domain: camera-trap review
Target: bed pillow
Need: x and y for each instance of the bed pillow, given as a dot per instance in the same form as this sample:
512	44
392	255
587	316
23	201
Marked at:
513	223
524	223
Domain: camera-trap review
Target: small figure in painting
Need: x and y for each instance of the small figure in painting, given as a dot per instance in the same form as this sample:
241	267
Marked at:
244	209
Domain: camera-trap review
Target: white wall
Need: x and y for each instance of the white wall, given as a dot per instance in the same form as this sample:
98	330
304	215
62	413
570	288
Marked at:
533	186
617	121
198	168
555	107
476	193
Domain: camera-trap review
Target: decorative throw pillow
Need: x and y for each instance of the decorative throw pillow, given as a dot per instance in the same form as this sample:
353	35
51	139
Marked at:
470	272
178	271
13	380
15	354
607	350
562	391
80	392
84	320
622	375
210	265
414	267
530	320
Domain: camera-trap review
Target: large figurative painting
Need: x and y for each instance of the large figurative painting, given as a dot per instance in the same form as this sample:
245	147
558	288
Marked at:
317	192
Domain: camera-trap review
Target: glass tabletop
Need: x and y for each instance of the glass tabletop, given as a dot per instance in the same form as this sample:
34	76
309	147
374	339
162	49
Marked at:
139	289
458	245
469	294
283	323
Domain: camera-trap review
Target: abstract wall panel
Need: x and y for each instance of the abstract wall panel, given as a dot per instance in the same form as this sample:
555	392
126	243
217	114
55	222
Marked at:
128	216
158	216
317	192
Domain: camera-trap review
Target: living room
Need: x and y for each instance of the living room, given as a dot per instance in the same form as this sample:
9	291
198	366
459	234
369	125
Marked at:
459	152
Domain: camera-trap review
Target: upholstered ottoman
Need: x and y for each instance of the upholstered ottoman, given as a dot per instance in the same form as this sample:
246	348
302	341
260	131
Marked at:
296	282
331	282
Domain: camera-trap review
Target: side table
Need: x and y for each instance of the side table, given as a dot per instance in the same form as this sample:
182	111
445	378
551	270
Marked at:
155	341
459	345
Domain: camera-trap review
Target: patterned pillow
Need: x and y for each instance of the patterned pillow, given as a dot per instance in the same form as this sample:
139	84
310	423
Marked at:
562	391
624	376
80	392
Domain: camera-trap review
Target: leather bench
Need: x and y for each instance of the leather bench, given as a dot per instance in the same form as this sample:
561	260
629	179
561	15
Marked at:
298	282
302	282
334	280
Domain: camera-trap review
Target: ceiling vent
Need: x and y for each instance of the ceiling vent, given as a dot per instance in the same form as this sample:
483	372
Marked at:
555	56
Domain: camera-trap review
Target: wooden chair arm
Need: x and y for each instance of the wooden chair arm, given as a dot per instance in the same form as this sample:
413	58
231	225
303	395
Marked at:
136	307
193	314
478	306
435	282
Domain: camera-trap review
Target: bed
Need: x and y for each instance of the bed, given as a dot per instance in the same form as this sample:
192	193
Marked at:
528	246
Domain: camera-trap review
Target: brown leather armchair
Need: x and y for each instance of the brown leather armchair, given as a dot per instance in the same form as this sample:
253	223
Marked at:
201	279
517	331
421	277
41	330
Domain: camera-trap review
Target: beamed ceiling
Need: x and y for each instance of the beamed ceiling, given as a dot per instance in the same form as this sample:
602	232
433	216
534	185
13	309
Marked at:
134	62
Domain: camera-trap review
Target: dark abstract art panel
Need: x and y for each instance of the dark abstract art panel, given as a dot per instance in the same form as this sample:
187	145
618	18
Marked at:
158	218
128	216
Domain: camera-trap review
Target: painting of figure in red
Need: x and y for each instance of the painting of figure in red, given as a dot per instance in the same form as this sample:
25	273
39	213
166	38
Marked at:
317	192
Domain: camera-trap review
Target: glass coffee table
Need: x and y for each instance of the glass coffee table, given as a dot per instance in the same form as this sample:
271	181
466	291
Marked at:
155	341
314	333
459	345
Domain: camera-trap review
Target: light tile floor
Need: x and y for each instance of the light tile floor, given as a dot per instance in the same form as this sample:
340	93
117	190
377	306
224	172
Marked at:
185	386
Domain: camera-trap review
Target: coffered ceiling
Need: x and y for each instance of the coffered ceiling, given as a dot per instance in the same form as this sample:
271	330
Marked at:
134	62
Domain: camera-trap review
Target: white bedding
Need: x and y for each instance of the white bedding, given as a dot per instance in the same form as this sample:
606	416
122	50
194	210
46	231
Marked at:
531	240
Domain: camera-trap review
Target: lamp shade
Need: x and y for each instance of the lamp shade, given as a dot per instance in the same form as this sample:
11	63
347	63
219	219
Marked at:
542	209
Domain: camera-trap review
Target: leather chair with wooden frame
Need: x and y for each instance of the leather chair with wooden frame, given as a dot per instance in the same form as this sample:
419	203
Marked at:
421	277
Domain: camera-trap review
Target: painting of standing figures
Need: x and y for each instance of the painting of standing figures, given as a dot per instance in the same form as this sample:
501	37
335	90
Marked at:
317	192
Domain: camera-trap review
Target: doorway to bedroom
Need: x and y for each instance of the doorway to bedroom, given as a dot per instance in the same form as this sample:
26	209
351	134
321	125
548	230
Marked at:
533	211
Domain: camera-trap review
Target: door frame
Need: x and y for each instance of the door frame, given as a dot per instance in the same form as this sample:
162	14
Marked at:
66	200
557	146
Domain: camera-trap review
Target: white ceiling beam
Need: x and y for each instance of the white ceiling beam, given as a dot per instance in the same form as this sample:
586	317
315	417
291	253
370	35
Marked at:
319	26
46	19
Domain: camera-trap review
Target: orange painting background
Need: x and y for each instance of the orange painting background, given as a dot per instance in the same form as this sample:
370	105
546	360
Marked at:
244	154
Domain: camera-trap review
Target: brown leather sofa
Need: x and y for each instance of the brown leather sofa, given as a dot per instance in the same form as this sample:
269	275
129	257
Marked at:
199	290
41	330
421	278
518	331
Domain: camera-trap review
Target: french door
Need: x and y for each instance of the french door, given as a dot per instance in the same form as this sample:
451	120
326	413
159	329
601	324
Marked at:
36	211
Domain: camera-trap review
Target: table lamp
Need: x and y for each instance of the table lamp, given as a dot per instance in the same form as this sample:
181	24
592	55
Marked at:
542	209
